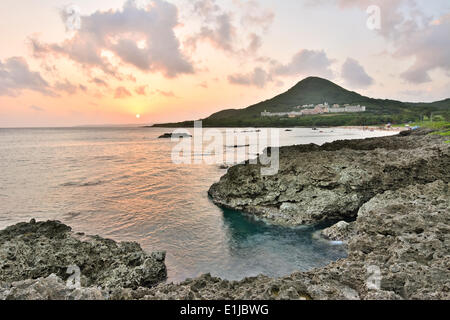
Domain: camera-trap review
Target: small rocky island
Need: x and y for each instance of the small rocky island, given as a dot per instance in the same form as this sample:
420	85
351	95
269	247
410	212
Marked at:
392	195
174	135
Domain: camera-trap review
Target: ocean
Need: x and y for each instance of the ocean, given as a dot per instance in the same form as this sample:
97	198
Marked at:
121	183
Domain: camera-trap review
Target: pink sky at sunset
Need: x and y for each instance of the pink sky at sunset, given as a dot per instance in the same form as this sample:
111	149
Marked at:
182	60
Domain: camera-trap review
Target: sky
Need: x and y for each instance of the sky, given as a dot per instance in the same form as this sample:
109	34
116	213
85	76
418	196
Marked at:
69	63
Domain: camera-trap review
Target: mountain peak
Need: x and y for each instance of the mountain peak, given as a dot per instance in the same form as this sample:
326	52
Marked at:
316	82
312	78
316	90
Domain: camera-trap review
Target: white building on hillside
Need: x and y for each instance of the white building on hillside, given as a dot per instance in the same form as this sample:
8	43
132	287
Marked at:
315	110
357	108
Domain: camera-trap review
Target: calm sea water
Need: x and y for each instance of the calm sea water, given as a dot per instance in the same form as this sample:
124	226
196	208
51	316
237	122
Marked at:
120	183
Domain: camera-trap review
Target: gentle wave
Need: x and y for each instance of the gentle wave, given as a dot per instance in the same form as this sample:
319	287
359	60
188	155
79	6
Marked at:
82	184
116	184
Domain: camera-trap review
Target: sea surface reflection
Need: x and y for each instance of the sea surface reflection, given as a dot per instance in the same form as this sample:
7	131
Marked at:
121	183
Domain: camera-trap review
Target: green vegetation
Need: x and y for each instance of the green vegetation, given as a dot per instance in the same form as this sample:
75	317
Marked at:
443	133
436	125
316	90
442	127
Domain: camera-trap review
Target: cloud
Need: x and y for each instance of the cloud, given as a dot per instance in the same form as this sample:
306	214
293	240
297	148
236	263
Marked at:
142	37
255	43
67	87
221	28
203	84
355	75
255	16
122	93
416	74
36	108
15	76
99	82
431	49
304	63
141	90
307	63
412	34
82	88
206	8
393	20
168	94
220	34
258	78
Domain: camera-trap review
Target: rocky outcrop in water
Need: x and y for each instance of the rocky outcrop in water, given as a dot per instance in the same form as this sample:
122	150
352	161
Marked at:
174	135
39	249
333	181
400	250
398	247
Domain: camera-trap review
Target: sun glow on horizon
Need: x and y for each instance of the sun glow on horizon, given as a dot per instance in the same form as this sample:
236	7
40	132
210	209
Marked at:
157	61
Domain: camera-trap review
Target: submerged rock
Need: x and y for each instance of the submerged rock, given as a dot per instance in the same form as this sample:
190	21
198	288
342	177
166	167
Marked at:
333	181
38	249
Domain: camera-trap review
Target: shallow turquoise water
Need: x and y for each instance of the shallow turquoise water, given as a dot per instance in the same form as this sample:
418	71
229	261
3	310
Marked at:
121	183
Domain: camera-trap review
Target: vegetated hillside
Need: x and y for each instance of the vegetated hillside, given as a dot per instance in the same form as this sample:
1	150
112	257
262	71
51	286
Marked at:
315	90
308	91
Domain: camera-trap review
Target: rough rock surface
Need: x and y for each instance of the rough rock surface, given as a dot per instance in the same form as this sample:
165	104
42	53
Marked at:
341	231
38	249
49	288
333	181
401	250
398	247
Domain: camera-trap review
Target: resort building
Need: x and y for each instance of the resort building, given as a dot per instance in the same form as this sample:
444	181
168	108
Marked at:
357	108
315	110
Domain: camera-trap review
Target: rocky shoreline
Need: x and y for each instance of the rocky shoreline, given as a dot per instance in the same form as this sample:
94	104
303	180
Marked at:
333	181
37	259
395	190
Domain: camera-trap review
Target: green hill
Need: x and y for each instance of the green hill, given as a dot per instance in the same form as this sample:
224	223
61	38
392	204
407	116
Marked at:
315	90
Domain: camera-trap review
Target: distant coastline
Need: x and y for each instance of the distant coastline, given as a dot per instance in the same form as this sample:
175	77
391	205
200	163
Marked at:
321	92
380	127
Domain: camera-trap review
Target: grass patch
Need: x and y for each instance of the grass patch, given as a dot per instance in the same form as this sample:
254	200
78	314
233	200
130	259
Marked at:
439	125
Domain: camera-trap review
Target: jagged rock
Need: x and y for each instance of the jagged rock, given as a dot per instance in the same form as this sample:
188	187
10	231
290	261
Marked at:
400	250
333	181
49	288
398	247
38	249
341	231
